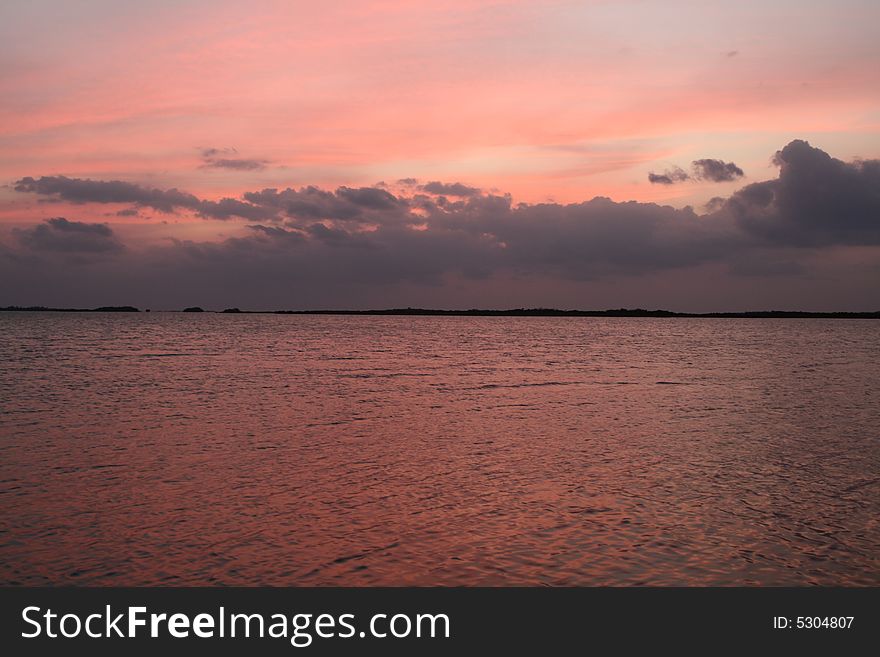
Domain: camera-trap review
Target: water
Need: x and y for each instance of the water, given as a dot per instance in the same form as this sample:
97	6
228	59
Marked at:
313	450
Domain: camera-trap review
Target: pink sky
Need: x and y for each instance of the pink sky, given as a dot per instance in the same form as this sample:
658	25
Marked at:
547	101
561	100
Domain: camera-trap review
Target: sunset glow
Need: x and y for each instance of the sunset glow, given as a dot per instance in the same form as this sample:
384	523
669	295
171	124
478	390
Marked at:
547	102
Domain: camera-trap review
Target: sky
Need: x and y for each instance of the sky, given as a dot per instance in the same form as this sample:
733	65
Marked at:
694	156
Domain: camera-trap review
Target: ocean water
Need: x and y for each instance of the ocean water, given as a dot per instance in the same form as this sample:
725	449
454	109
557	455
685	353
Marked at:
185	449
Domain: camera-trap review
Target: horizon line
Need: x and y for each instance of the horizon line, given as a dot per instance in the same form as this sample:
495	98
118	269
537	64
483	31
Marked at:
485	312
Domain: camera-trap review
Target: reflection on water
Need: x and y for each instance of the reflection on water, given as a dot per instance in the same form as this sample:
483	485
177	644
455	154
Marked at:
262	449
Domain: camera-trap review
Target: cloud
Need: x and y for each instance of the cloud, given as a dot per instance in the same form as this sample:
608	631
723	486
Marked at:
668	177
714	204
286	236
81	191
77	190
370	198
449	189
216	158
227	208
817	200
329	246
716	170
236	164
363	204
360	204
705	169
61	235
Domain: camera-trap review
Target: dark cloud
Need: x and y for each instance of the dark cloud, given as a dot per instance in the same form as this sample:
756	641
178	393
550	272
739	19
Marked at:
716	170
591	239
705	169
307	202
80	191
362	204
668	177
238	164
449	189
77	190
218	158
336	236
61	235
768	263
714	204
228	208
311	244
370	197
281	234
816	201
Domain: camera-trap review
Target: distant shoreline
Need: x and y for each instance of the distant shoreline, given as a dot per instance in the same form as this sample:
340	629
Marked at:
475	312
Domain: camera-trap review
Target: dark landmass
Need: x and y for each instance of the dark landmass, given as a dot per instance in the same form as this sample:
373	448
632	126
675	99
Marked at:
102	309
619	312
513	312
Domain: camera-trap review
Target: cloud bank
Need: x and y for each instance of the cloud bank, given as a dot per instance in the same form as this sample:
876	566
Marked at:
63	236
321	247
